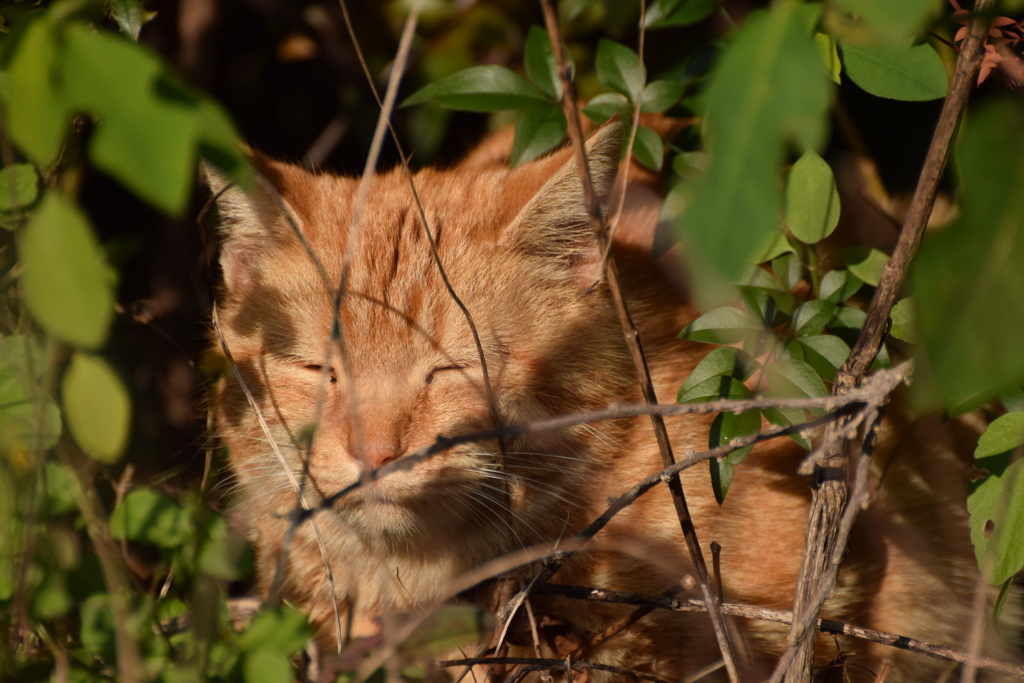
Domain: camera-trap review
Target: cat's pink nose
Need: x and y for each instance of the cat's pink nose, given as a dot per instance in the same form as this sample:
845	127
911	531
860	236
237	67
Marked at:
378	455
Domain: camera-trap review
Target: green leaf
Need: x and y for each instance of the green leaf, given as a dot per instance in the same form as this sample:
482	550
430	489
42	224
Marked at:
776	245
787	418
128	16
811	317
812	200
789	270
725	325
97	407
791	378
648	148
724	361
619	68
605	106
714	388
541	66
224	556
968	289
767	303
281	630
146	133
19	186
725	428
660	95
479	88
21	422
996	503
894	20
266	666
678	12
839	285
848	318
830	55
826	353
912	74
865	263
770	85
52	599
540	129
903	324
448	628
36	116
65	277
149	516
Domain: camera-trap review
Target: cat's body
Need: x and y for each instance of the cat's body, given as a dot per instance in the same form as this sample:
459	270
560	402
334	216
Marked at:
519	251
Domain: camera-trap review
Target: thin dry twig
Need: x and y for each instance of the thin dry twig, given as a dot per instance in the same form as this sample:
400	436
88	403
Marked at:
633	343
824	537
781	617
532	664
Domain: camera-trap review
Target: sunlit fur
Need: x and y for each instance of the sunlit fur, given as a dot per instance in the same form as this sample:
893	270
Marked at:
519	251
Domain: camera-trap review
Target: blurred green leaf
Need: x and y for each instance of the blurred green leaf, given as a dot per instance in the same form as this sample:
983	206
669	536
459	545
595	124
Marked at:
605	106
726	360
224	556
725	325
52	599
968	290
541	66
147	127
281	630
893	20
266	666
787	418
149	516
776	245
830	55
770	85
789	270
65	279
812	200
59	491
902	316
19	186
767	303
865	263
912	74
849	318
811	317
648	148
540	129
619	68
97	407
838	285
479	88
448	628
660	95
678	12
996	502
35	112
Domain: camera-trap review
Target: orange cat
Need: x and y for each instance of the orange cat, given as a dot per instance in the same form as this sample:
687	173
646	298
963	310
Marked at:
519	251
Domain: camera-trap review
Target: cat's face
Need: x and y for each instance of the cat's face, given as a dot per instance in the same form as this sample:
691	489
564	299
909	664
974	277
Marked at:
404	368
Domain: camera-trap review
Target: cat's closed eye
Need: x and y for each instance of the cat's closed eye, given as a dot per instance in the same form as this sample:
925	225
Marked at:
319	368
432	375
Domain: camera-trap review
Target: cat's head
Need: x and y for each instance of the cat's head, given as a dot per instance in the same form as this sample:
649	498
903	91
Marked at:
381	371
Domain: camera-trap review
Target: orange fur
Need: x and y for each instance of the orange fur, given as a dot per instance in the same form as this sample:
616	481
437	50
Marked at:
519	251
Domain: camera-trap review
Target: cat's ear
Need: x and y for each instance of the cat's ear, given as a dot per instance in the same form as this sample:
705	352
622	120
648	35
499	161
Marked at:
555	225
253	220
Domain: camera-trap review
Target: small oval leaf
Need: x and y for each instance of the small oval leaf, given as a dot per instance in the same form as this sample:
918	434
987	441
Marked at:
619	68
540	129
19	186
479	88
65	279
725	325
812	200
97	407
648	148
913	74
